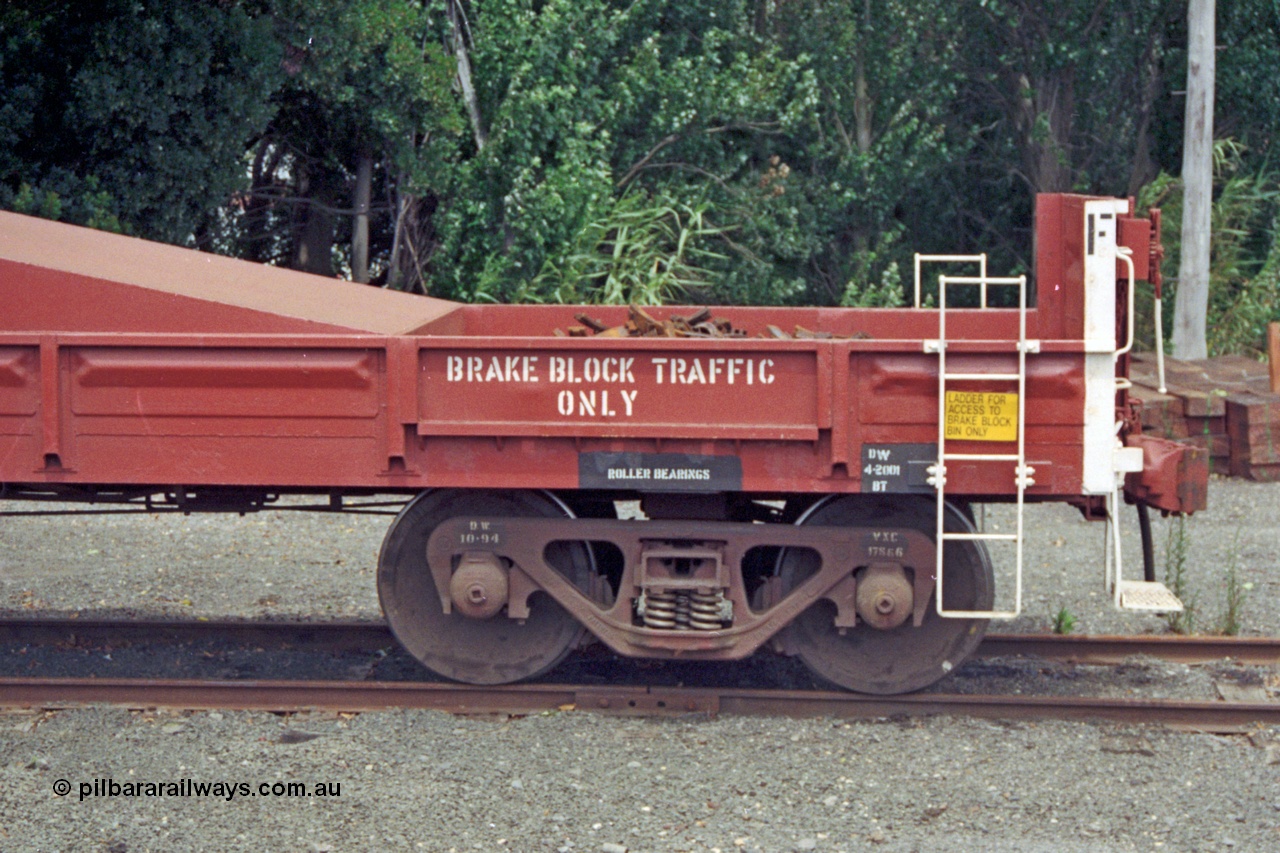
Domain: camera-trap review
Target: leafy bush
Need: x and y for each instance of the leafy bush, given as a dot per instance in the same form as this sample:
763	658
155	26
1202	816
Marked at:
646	251
1244	271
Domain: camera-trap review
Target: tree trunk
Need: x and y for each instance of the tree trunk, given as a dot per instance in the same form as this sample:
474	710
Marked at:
395	267
862	129
1043	113
314	250
1191	307
1145	168
360	233
457	26
415	242
313	240
861	100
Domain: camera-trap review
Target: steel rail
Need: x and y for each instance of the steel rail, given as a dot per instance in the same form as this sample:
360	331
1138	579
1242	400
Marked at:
349	696
329	636
1109	649
355	636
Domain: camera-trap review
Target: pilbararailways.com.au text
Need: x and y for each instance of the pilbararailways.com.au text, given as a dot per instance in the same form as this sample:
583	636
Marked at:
191	788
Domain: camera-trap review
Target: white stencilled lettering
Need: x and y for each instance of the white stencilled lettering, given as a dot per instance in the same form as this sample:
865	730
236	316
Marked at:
672	370
591	403
497	368
569	370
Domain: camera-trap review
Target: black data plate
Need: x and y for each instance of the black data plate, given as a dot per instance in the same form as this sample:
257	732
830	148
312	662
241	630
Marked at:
659	472
898	468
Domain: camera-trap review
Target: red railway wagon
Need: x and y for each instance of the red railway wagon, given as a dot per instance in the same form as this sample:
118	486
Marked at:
809	491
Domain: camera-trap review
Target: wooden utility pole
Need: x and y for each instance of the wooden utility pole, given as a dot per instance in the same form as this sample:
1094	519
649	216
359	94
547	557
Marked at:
1192	306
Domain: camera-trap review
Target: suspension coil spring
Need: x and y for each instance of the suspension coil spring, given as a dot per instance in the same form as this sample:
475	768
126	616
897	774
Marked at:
683	611
658	610
706	610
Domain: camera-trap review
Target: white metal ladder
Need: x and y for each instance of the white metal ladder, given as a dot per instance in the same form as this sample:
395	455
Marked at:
1022	471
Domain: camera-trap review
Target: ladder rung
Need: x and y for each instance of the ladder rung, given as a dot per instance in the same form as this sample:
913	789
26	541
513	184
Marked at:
1002	536
978	376
982	457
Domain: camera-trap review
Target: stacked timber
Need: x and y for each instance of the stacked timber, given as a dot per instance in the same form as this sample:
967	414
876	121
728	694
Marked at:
1253	424
1223	405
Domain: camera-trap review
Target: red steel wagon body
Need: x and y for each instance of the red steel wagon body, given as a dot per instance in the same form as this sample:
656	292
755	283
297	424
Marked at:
132	371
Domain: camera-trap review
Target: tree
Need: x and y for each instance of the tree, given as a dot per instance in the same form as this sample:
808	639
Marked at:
586	103
868	155
130	115
709	150
1058	96
360	140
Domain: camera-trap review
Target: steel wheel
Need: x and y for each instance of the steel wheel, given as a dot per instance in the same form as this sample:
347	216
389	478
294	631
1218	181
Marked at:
496	650
902	659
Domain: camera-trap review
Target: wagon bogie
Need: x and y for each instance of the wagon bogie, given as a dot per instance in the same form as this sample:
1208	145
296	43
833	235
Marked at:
849	581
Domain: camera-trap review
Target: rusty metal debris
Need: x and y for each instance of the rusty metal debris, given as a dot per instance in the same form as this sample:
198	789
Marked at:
641	324
701	324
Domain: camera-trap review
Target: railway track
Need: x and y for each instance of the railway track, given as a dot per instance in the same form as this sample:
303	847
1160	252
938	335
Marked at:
647	700
285	696
369	636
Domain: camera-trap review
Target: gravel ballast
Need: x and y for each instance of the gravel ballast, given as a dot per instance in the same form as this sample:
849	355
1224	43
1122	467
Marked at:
577	781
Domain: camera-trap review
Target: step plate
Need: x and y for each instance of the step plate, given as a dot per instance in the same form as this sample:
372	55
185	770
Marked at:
1145	595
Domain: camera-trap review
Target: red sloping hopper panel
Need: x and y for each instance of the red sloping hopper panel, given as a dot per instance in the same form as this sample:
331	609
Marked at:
61	278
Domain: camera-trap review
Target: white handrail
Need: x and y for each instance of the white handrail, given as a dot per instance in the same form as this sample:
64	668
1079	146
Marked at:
1160	346
1125	254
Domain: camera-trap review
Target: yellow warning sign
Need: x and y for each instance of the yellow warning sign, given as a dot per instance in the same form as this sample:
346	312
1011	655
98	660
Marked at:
980	416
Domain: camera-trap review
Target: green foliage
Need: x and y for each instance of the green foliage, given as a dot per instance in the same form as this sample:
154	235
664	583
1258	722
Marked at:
32	202
873	143
1055	96
141	119
586	101
723	151
367	75
644	252
888	291
1247	80
1064	621
367	79
754	113
1235	593
1176	550
94	206
1235	590
1244	265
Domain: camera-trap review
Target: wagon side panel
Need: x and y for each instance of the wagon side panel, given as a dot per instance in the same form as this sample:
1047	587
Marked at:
226	415
20	408
588	413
